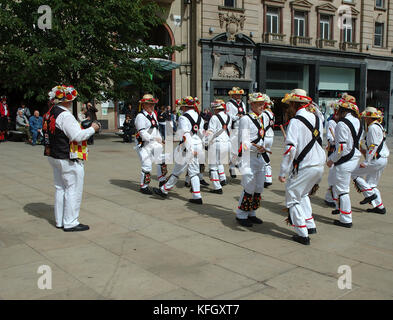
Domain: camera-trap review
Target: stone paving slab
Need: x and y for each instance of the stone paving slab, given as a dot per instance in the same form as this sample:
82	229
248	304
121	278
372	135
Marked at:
142	247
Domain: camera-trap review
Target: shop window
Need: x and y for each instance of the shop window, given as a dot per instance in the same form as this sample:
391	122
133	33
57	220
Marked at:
230	3
378	36
272	20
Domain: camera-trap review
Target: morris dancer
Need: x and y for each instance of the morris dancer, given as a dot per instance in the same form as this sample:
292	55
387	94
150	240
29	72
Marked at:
187	153
66	147
376	155
150	144
345	157
303	162
269	137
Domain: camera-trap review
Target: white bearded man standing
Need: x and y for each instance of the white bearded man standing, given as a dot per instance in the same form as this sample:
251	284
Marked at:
376	155
345	157
236	109
150	144
252	164
303	162
66	147
219	143
189	151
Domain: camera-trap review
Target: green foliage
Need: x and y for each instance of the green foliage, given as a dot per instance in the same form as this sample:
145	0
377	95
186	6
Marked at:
91	45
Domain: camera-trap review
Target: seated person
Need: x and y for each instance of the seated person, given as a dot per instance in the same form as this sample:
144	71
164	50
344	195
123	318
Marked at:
128	129
22	125
35	123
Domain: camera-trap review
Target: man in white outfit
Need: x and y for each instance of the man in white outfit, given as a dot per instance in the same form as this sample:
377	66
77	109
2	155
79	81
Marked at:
303	162
219	143
345	157
150	144
376	155
252	163
269	137
236	109
66	147
188	153
331	126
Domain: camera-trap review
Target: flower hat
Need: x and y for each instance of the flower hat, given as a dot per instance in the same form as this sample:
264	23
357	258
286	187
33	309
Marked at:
296	95
236	90
218	104
148	98
348	102
371	112
62	93
258	97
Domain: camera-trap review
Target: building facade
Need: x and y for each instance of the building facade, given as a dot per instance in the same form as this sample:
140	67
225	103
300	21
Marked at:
273	46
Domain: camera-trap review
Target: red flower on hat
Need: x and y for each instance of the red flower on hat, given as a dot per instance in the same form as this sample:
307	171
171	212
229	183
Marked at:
69	96
74	93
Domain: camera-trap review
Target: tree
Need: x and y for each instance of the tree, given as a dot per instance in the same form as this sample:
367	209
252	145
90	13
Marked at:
92	44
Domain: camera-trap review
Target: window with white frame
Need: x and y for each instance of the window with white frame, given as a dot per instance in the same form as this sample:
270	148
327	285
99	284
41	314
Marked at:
378	36
299	23
324	25
230	3
379	4
272	20
348	30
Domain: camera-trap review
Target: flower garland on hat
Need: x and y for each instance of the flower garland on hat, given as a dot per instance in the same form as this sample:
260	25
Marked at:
62	93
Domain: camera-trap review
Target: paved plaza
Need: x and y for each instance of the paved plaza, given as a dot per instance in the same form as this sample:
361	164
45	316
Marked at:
143	247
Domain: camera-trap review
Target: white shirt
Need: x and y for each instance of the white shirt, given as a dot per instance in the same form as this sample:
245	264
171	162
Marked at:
374	138
298	136
215	127
184	129
344	140
248	131
67	123
270	132
331	126
233	111
143	127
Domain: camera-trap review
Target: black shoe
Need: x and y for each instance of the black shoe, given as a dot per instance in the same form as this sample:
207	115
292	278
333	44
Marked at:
302	240
223	183
369	199
267	184
146	190
342	224
336	211
79	227
203	183
312	230
196	201
244	222
377	210
255	220
219	191
161	183
159	192
187	185
233	176
330	204
59	227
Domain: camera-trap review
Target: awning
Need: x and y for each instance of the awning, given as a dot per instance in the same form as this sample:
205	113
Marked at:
161	64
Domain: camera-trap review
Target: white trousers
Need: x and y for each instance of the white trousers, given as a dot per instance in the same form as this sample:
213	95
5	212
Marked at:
342	181
192	166
219	154
329	192
268	167
372	174
68	178
297	201
253	178
234	149
148	155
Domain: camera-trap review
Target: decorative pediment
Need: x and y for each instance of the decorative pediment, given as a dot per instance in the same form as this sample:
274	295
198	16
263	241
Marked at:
301	5
354	12
274	3
327	8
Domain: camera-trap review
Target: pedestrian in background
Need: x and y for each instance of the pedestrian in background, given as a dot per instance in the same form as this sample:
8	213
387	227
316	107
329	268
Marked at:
35	123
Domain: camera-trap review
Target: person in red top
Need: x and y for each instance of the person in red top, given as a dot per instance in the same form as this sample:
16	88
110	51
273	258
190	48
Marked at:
4	118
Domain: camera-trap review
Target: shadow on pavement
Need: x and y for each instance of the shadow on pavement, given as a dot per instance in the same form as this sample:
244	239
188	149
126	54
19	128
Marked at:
41	210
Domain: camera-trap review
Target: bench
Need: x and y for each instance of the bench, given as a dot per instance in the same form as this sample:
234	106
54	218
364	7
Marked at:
15	135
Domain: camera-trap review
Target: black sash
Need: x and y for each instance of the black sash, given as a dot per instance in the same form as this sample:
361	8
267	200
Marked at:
153	124
195	125
356	140
377	155
223	124
270	121
238	106
315	137
261	135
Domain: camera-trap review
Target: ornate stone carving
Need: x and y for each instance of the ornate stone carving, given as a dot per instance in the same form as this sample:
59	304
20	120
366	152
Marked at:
233	23
229	71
